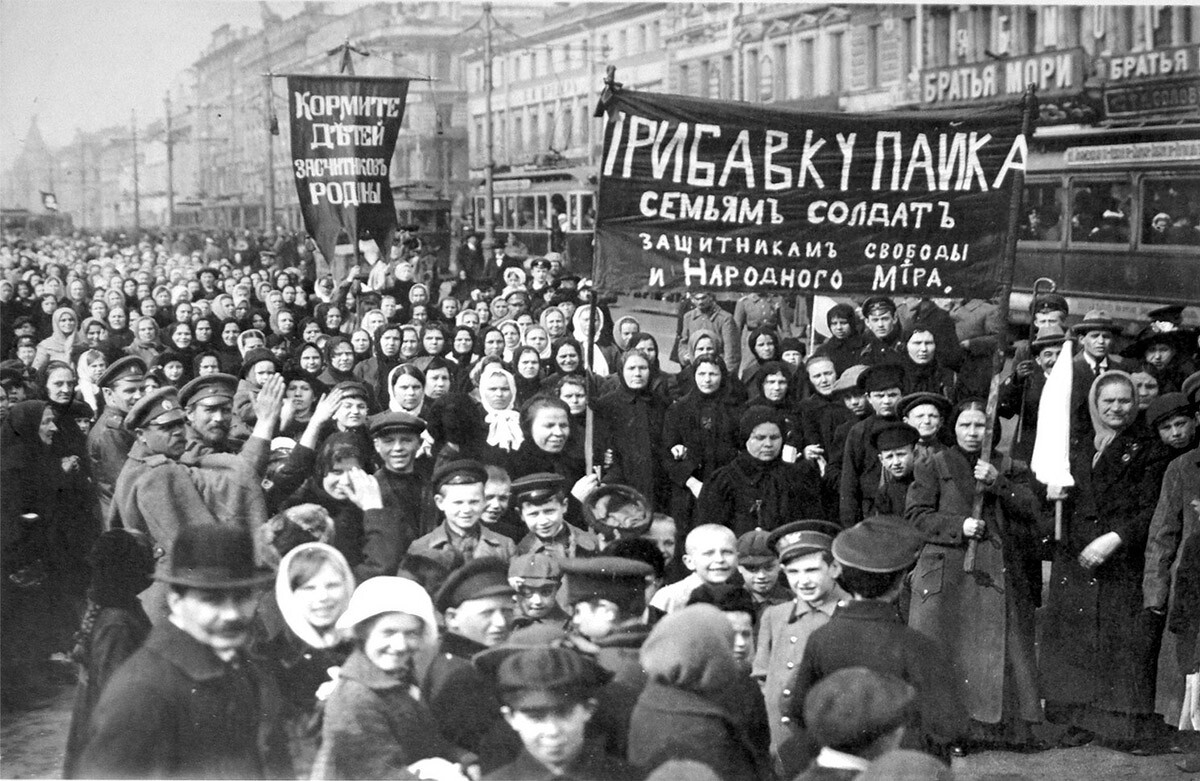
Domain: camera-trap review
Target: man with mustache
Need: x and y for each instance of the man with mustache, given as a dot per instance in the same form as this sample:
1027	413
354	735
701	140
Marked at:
208	401
190	703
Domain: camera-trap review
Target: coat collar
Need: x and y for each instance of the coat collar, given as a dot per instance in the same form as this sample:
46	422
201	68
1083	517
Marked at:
800	607
184	652
867	610
457	645
359	668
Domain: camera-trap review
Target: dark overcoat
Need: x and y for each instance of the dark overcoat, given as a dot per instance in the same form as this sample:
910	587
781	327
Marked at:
708	427
630	425
749	494
984	619
174	710
1096	649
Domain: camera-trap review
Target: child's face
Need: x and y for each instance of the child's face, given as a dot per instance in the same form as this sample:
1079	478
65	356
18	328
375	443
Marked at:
811	577
552	736
544	520
839	327
536	601
760	577
743	637
712	556
855	402
462	505
662	534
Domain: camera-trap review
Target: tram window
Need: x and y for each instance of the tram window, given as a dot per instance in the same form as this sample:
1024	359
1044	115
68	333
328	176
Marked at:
525	213
1171	212
1041	212
1100	212
587	210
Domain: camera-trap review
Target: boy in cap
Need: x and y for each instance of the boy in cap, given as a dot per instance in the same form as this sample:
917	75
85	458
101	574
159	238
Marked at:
867	631
758	565
541	501
458	496
804	551
109	442
883	342
536	577
550	698
896	444
855	715
498	513
476	603
711	555
883	385
397	438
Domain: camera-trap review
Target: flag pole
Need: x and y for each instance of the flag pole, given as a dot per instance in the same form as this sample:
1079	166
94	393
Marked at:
1029	107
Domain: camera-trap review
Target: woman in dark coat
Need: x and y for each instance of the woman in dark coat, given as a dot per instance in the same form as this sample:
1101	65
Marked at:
822	413
629	424
1099	646
697	705
700	435
374	371
846	345
983	618
114	625
339	361
923	372
773	390
758	489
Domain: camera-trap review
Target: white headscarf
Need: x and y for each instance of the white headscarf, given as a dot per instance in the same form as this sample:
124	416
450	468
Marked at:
583	335
504	425
290	610
1105	433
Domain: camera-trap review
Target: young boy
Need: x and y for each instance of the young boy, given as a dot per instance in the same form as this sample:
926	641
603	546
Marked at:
458	496
759	567
541	501
739	609
811	572
664	533
711	555
549	697
536	577
867	632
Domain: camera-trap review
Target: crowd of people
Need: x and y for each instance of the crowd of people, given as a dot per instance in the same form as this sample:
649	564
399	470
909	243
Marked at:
390	525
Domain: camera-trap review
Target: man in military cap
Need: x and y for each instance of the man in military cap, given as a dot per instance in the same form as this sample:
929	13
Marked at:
883	337
550	699
109	442
397	438
541	500
855	715
537	578
803	548
539	277
1021	391
476	603
867	631
896	444
190	703
209	404
458	496
860	467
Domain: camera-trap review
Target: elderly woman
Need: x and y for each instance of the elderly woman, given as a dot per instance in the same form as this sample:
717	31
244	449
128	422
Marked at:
63	340
629	423
1099	646
758	489
376	724
297	641
983	617
498	401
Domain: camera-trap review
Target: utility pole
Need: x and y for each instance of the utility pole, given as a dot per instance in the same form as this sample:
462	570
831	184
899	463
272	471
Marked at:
272	131
170	166
489	222
137	199
82	182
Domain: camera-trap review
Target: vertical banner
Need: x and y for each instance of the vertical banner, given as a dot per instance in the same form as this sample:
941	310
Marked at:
343	134
736	196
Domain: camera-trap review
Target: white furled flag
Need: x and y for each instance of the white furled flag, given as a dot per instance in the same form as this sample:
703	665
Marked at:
49	201
1051	462
820	313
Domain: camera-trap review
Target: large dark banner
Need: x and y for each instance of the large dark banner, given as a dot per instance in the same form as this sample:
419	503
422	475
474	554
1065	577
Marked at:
343	134
734	196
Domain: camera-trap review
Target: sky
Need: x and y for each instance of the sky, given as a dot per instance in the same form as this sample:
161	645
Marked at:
88	63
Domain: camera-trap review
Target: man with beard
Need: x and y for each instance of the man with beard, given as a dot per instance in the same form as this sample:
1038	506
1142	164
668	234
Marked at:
109	442
208	401
189	703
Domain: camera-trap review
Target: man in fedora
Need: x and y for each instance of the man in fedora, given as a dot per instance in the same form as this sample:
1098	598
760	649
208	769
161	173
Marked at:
190	703
1095	334
1021	391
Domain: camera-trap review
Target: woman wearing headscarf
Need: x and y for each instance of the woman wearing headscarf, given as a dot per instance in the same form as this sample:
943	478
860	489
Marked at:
629	425
567	360
498	400
923	372
374	371
339	362
145	344
120	335
758	489
704	342
984	617
699	436
697	704
227	345
297	641
845	345
763	347
527	372
63	340
1099	646
88	368
773	389
538	338
376	723
406	390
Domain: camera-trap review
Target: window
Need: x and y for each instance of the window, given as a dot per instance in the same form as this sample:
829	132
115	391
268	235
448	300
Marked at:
727	77
568	122
535	131
1072	21
605	52
1041	212
551	131
684	80
479	140
1101	212
836	76
1171	212
641	39
750	69
1030	40
940	44
441	65
622	43
808	67
781	71
872	56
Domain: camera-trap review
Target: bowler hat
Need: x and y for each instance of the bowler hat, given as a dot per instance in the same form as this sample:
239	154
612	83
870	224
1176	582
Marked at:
214	556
